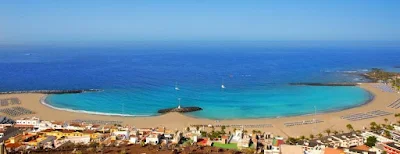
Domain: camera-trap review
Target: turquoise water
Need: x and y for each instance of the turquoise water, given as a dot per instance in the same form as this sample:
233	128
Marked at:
227	104
138	81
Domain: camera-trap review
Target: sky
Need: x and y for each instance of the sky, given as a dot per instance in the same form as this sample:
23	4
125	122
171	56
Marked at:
42	21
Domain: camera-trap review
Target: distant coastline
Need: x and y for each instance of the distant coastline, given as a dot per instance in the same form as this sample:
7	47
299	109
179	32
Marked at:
52	91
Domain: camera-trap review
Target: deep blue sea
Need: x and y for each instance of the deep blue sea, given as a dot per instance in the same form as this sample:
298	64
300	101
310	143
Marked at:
140	79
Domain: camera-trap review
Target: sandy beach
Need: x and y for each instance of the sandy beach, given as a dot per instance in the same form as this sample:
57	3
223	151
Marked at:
331	120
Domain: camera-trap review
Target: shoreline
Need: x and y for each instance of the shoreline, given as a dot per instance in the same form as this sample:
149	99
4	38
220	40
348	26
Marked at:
371	97
43	102
331	120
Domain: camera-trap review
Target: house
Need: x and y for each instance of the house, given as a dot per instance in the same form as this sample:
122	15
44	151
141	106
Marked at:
177	137
390	147
75	126
274	146
379	138
133	139
121	134
78	139
244	142
29	123
64	133
153	139
347	140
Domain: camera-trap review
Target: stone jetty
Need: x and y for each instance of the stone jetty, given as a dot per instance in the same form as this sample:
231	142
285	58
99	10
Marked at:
180	109
52	91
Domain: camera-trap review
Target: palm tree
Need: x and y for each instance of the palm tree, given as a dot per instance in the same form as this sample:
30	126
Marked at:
223	128
302	137
373	125
328	131
335	132
311	136
291	140
386	120
320	135
349	127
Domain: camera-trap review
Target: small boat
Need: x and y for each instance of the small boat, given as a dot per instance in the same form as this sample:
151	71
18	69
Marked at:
222	85
176	86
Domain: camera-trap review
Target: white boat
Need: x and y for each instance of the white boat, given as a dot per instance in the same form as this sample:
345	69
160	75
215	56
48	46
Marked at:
222	86
176	86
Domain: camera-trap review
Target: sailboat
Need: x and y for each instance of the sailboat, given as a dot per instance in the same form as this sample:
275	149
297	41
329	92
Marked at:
176	86
222	85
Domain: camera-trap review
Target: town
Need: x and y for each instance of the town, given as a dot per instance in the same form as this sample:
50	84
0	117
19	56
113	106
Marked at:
34	135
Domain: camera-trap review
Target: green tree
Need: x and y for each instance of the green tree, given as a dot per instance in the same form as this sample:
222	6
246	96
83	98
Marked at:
320	135
328	131
187	129
387	134
386	120
302	137
223	128
335	132
291	140
371	141
350	127
311	136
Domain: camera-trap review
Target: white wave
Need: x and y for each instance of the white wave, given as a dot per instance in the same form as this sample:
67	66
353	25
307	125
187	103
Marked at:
43	101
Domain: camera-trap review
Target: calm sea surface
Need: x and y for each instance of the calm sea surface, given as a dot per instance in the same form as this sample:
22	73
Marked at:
139	80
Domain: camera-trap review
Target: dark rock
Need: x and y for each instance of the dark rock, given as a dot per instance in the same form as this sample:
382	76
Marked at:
180	110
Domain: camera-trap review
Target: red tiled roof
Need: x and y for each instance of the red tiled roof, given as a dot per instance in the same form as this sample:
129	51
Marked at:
68	131
19	125
362	147
333	151
13	145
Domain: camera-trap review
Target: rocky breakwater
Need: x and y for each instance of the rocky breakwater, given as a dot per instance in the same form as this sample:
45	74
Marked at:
180	109
52	91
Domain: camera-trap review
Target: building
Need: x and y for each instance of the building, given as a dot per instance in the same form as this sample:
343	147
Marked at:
153	139
379	138
349	140
273	146
31	123
390	147
333	151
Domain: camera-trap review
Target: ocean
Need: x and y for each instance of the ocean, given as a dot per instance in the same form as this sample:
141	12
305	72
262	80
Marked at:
139	79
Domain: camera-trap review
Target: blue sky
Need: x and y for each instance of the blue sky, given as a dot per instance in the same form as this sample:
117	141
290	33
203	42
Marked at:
40	21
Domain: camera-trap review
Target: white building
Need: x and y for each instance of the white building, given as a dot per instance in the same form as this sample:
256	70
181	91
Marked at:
78	139
28	121
121	134
379	138
133	139
153	139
